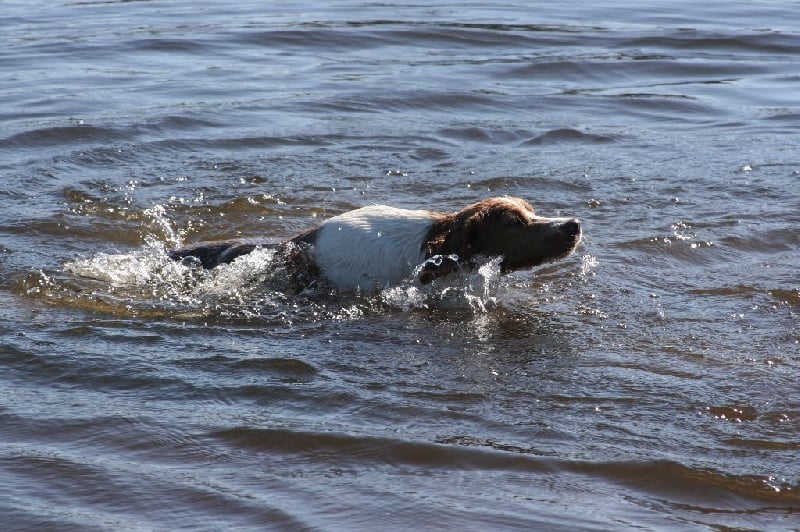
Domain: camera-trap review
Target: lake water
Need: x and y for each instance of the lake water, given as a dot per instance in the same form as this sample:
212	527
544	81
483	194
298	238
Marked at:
650	381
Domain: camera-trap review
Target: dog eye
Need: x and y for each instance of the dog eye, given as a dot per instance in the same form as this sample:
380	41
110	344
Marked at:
520	221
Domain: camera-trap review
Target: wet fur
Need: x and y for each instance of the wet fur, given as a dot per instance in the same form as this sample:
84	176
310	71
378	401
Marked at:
377	246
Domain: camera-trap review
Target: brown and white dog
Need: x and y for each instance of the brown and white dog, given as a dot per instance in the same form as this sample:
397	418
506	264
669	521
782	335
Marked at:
375	247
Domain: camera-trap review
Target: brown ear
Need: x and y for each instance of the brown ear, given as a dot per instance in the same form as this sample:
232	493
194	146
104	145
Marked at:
456	233
461	239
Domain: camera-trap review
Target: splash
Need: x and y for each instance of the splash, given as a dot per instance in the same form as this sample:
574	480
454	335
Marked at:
160	220
588	265
146	282
142	267
148	279
476	290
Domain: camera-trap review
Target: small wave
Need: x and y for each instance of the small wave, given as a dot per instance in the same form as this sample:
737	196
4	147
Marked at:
363	450
486	135
787	297
755	43
233	143
568	135
662	478
761	444
673	479
679	247
315	38
170	45
540	184
74	133
665	479
767	241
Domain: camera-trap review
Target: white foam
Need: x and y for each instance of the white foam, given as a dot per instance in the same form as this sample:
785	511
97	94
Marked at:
475	290
255	285
148	274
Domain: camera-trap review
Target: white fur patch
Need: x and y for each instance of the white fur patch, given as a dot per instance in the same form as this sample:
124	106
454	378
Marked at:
371	248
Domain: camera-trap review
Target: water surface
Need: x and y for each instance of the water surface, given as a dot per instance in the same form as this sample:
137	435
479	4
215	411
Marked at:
649	381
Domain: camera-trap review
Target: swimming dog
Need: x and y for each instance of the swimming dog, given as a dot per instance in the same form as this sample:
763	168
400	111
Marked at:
374	247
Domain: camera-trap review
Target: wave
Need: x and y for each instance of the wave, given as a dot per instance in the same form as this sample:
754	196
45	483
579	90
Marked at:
76	133
668	479
569	135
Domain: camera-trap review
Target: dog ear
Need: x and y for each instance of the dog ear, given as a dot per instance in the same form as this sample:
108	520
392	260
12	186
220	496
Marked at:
464	235
456	234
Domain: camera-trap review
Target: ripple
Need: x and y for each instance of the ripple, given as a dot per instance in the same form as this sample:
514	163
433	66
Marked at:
659	478
346	449
754	43
765	445
767	241
677	481
568	135
98	489
402	100
72	134
283	369
736	414
167	45
487	135
684	250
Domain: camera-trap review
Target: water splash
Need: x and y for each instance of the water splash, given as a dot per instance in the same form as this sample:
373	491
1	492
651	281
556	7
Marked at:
588	265
160	220
147	279
146	282
476	290
142	267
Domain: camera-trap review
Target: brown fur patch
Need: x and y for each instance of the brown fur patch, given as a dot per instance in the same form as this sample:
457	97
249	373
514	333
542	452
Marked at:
502	226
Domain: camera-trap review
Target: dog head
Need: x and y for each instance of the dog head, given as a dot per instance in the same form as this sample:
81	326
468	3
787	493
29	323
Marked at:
509	227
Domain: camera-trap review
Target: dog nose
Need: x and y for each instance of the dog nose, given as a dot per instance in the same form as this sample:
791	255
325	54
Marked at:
571	227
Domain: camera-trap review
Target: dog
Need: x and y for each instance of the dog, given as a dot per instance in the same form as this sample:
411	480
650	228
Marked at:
375	247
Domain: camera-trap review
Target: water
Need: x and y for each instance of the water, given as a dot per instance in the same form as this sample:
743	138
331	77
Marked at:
649	381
